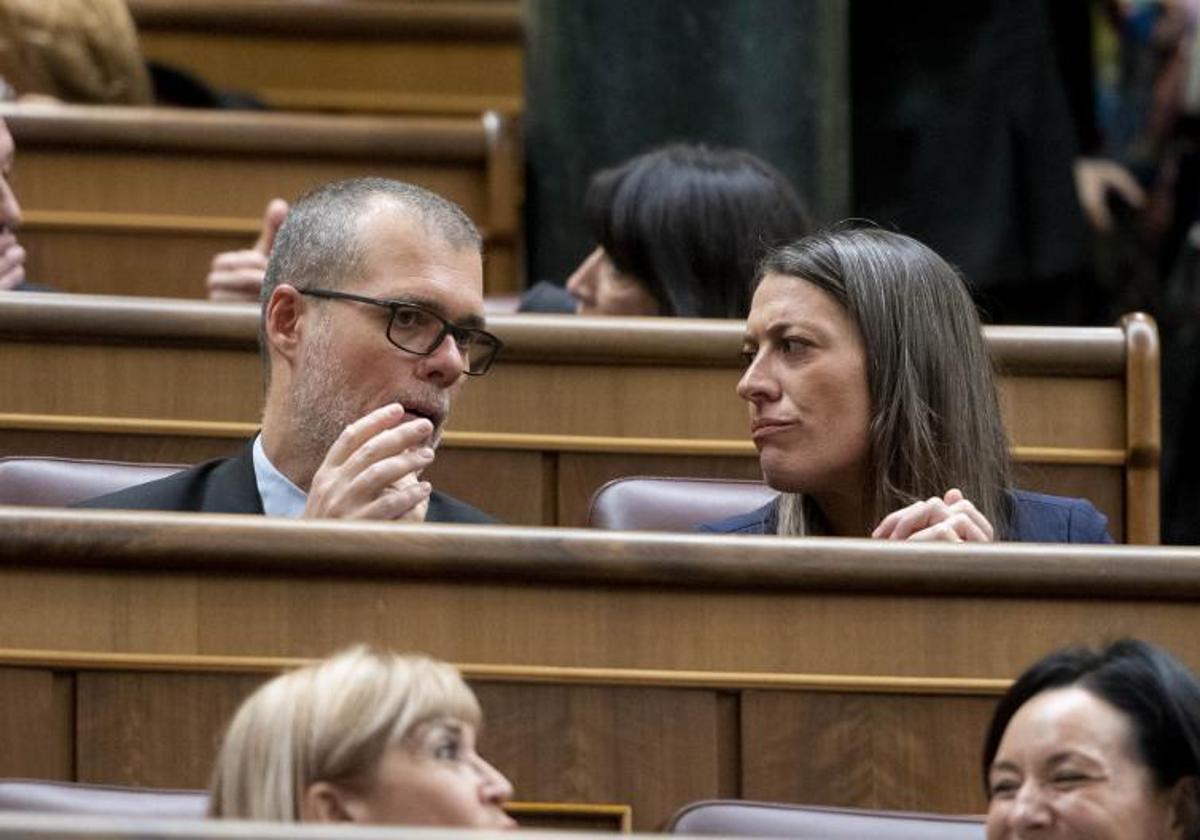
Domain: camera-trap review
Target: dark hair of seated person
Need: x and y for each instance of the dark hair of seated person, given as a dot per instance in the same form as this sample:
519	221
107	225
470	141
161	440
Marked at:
690	222
1158	697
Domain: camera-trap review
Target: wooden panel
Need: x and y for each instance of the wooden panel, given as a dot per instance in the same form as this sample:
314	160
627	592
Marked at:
1062	420
515	487
37	732
652	748
244	585
158	449
154	730
897	751
590	744
115	263
133	381
153	194
616	400
345	56
216	185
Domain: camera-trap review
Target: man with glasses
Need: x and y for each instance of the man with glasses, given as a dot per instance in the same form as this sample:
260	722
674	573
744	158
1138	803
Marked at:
372	319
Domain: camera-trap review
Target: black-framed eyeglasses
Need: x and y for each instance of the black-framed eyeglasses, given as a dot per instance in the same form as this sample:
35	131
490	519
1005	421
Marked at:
415	329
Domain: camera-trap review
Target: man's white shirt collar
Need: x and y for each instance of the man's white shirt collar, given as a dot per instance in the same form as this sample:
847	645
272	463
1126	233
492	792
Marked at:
279	496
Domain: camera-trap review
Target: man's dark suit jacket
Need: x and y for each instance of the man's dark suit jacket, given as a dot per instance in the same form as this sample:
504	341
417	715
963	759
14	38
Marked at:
227	485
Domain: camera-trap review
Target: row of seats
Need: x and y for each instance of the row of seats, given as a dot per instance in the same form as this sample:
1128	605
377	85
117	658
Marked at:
625	504
573	403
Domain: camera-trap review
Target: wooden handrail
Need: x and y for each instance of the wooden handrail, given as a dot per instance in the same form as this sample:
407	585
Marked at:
197	543
97	127
565	339
338	19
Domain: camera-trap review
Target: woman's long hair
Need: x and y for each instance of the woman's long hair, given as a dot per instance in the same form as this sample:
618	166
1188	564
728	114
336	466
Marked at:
935	417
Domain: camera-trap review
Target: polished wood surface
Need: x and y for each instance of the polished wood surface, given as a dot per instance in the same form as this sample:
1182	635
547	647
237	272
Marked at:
573	402
17	825
154	193
345	55
645	670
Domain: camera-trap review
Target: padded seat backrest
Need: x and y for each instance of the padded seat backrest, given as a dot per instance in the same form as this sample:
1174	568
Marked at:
58	482
734	818
646	503
44	797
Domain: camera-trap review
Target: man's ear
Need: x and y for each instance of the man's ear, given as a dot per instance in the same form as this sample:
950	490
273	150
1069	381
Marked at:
1185	807
325	802
282	319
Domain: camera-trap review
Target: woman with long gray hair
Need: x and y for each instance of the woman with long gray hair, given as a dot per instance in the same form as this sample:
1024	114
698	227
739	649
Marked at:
872	403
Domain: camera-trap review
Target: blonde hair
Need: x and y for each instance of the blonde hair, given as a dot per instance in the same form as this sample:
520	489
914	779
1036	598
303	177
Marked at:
74	50
331	721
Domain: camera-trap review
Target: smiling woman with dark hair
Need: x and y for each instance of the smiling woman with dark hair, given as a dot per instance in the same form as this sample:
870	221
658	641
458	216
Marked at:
1096	744
872	404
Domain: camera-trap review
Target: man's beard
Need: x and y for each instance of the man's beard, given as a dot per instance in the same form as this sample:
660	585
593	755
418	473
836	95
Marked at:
321	406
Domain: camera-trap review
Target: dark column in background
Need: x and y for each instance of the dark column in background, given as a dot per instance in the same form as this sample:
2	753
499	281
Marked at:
608	79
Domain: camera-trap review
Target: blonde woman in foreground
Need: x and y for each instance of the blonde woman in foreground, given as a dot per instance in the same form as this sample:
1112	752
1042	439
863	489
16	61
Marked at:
365	737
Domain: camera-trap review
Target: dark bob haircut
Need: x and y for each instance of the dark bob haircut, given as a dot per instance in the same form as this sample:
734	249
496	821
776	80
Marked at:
1155	692
690	223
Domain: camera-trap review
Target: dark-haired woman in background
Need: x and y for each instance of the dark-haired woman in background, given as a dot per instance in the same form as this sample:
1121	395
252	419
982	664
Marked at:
872	403
680	231
1089	744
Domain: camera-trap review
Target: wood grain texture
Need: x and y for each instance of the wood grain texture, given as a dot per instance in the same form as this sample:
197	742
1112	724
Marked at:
346	55
477	476
159	730
900	752
244	585
158	449
650	748
37	724
154	193
556	743
1143	421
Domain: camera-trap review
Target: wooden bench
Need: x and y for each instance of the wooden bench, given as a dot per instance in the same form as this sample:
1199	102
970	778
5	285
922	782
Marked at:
345	55
644	670
136	201
573	402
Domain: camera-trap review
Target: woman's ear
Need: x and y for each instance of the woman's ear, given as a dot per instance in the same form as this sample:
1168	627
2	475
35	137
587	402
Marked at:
325	802
1185	808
